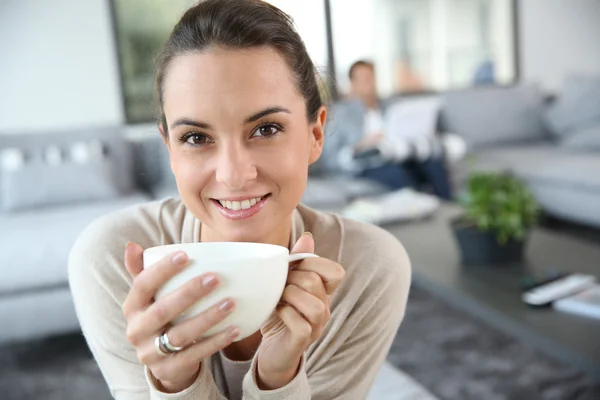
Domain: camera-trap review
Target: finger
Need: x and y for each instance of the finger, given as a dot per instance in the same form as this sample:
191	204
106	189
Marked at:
306	244
167	368
309	281
298	325
311	307
193	329
188	332
330	272
167	308
147	283
133	259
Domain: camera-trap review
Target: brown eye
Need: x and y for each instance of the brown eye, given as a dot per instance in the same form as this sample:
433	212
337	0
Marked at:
196	139
268	130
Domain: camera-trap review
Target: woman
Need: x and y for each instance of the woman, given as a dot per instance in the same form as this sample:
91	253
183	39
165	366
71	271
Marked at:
242	119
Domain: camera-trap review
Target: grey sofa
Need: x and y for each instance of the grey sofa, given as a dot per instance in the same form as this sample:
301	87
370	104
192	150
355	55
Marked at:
554	147
52	186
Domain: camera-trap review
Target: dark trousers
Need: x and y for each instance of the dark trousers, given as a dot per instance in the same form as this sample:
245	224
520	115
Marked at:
413	174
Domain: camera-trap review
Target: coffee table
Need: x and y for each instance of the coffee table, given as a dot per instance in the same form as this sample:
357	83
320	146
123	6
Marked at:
493	292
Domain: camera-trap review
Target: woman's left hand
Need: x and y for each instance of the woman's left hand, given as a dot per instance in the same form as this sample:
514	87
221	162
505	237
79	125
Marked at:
299	319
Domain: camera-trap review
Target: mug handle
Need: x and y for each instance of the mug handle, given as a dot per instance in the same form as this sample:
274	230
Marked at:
300	256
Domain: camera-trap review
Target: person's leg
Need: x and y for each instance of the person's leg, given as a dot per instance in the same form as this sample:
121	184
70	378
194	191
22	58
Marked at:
434	171
394	176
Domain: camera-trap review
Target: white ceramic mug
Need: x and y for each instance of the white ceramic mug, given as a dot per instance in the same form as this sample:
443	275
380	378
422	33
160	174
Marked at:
253	274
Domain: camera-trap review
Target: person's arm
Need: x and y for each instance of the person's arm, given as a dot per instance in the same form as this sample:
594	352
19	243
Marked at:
99	284
342	133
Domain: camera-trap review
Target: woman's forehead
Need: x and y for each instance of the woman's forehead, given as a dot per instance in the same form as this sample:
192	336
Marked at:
229	78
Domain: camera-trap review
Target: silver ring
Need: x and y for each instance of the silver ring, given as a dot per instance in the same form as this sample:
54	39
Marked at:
166	344
159	347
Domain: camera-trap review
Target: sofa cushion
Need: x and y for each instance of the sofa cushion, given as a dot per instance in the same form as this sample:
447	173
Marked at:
60	168
331	192
565	183
35	244
577	108
151	158
321	194
584	140
493	115
547	162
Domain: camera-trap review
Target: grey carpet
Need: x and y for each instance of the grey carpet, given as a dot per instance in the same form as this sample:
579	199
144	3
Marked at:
459	357
453	355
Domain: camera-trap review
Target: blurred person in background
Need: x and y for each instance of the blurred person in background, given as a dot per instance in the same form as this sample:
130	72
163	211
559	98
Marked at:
392	143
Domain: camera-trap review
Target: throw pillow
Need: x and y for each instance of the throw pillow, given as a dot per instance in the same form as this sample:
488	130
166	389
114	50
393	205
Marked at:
583	140
577	108
11	159
63	169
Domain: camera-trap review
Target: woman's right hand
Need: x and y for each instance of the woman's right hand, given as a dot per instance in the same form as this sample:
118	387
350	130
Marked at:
147	319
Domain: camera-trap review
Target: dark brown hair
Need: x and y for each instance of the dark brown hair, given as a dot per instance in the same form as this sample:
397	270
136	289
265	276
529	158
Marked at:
360	63
240	24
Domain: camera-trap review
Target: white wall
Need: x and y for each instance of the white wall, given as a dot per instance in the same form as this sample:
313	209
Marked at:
58	66
559	37
309	20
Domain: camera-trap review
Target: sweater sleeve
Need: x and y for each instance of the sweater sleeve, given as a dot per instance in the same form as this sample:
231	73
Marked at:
297	389
99	285
204	388
347	367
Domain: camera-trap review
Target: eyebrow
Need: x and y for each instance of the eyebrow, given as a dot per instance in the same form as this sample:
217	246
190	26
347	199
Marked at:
252	118
265	112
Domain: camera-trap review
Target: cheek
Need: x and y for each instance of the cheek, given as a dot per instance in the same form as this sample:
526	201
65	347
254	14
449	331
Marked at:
289	165
190	173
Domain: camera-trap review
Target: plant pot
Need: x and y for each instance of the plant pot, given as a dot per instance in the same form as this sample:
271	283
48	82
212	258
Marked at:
482	248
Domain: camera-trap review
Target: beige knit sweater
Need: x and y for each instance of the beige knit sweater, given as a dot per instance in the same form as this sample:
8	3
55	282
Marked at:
366	310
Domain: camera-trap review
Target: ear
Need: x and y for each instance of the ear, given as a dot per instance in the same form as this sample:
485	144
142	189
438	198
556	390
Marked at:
318	135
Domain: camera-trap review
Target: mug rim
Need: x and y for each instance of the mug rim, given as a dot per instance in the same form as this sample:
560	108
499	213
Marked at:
276	249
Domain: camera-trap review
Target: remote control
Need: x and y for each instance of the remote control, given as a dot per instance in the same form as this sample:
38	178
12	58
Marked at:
546	294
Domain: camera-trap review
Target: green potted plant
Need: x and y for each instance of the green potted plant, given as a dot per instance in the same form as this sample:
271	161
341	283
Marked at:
499	213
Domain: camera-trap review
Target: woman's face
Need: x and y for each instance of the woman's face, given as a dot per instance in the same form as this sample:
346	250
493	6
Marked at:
239	140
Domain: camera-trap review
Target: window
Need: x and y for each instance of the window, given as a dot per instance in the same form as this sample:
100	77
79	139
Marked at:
426	45
416	45
143	26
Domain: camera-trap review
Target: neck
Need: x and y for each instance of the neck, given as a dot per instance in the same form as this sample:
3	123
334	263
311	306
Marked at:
371	102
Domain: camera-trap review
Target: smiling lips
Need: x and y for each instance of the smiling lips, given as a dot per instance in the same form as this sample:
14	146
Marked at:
242	208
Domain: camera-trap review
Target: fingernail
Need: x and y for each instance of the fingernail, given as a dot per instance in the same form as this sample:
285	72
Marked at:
233	331
309	234
227	305
179	258
209	281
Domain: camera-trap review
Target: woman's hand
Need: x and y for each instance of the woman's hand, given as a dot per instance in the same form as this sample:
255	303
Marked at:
300	318
147	319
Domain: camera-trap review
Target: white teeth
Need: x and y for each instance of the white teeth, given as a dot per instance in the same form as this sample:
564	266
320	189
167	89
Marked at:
239	205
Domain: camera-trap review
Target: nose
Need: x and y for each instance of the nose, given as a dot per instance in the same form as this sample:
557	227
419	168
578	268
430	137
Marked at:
235	167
